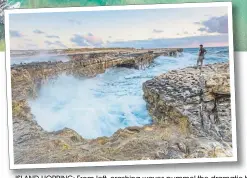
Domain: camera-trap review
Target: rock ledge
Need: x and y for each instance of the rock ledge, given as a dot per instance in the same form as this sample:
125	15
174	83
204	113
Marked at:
191	114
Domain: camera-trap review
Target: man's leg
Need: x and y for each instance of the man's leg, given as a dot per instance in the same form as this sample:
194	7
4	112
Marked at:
202	62
198	60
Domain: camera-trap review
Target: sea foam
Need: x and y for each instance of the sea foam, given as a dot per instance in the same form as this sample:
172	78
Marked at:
101	105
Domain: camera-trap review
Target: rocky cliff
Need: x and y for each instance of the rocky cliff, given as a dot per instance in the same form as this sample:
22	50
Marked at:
191	119
27	78
200	97
199	101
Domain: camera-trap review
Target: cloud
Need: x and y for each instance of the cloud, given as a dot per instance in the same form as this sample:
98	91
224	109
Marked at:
56	43
93	40
52	36
78	40
74	21
157	31
202	29
38	31
197	23
31	46
15	34
86	40
173	42
48	43
59	43
215	25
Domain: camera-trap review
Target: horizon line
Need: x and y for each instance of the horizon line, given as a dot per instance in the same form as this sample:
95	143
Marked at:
119	48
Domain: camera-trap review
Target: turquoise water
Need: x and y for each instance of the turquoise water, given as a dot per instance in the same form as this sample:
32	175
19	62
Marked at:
101	105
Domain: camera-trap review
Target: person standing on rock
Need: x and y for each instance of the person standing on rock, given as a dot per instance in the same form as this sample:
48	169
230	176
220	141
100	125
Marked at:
201	54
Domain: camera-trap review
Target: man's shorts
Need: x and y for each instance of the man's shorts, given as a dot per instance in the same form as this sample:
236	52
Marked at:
200	58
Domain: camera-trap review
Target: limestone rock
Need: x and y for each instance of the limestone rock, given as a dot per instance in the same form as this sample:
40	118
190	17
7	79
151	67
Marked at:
198	103
191	115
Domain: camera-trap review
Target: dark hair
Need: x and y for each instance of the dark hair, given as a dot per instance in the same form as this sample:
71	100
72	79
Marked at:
201	45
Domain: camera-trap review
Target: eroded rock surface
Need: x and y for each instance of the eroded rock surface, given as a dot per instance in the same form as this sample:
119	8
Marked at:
197	100
26	79
191	119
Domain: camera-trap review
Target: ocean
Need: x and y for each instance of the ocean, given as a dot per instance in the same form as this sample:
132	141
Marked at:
101	105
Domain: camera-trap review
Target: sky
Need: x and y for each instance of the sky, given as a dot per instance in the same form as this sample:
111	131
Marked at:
147	28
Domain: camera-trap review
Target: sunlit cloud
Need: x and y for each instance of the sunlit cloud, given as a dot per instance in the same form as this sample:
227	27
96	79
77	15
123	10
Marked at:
15	34
174	42
38	31
157	31
84	29
74	21
215	25
86	40
52	36
55	44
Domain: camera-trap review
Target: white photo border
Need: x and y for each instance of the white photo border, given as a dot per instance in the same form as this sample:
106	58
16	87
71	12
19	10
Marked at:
118	163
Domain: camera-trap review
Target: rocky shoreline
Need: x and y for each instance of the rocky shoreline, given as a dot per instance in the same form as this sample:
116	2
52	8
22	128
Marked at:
191	114
199	101
27	78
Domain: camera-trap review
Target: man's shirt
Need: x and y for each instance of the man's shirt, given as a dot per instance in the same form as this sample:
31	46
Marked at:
202	52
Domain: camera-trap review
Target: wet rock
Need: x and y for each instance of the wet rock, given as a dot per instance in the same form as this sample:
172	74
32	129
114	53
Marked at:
27	79
69	133
134	129
190	112
198	102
